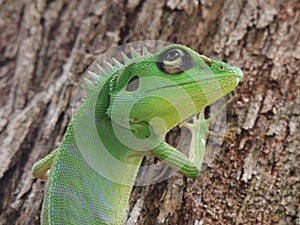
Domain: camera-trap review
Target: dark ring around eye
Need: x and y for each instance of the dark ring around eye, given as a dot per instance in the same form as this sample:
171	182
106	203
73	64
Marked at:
186	61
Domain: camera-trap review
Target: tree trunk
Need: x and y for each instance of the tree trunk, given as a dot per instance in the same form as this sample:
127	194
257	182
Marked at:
255	179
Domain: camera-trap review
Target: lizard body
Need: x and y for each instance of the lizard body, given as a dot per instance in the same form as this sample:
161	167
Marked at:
128	108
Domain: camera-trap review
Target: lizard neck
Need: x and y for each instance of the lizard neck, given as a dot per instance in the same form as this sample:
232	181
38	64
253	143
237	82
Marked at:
94	131
91	164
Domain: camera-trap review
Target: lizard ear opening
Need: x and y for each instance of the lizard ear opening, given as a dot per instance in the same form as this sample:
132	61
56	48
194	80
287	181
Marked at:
174	61
133	84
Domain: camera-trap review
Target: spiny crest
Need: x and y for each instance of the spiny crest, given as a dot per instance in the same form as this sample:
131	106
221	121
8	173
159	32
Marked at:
103	74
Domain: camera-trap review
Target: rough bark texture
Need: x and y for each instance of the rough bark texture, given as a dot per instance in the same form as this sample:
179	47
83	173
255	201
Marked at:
45	47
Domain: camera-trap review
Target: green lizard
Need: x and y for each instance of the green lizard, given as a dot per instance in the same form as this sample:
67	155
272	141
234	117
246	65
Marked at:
127	111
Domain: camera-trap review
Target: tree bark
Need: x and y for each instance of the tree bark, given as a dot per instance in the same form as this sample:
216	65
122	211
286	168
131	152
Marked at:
46	46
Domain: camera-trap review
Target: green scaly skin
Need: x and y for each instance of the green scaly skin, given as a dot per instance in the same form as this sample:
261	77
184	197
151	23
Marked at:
138	102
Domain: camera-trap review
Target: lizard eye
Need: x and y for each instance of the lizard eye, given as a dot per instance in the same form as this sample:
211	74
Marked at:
173	55
173	61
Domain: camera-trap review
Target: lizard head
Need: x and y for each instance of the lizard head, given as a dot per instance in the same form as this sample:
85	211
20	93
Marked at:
168	87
